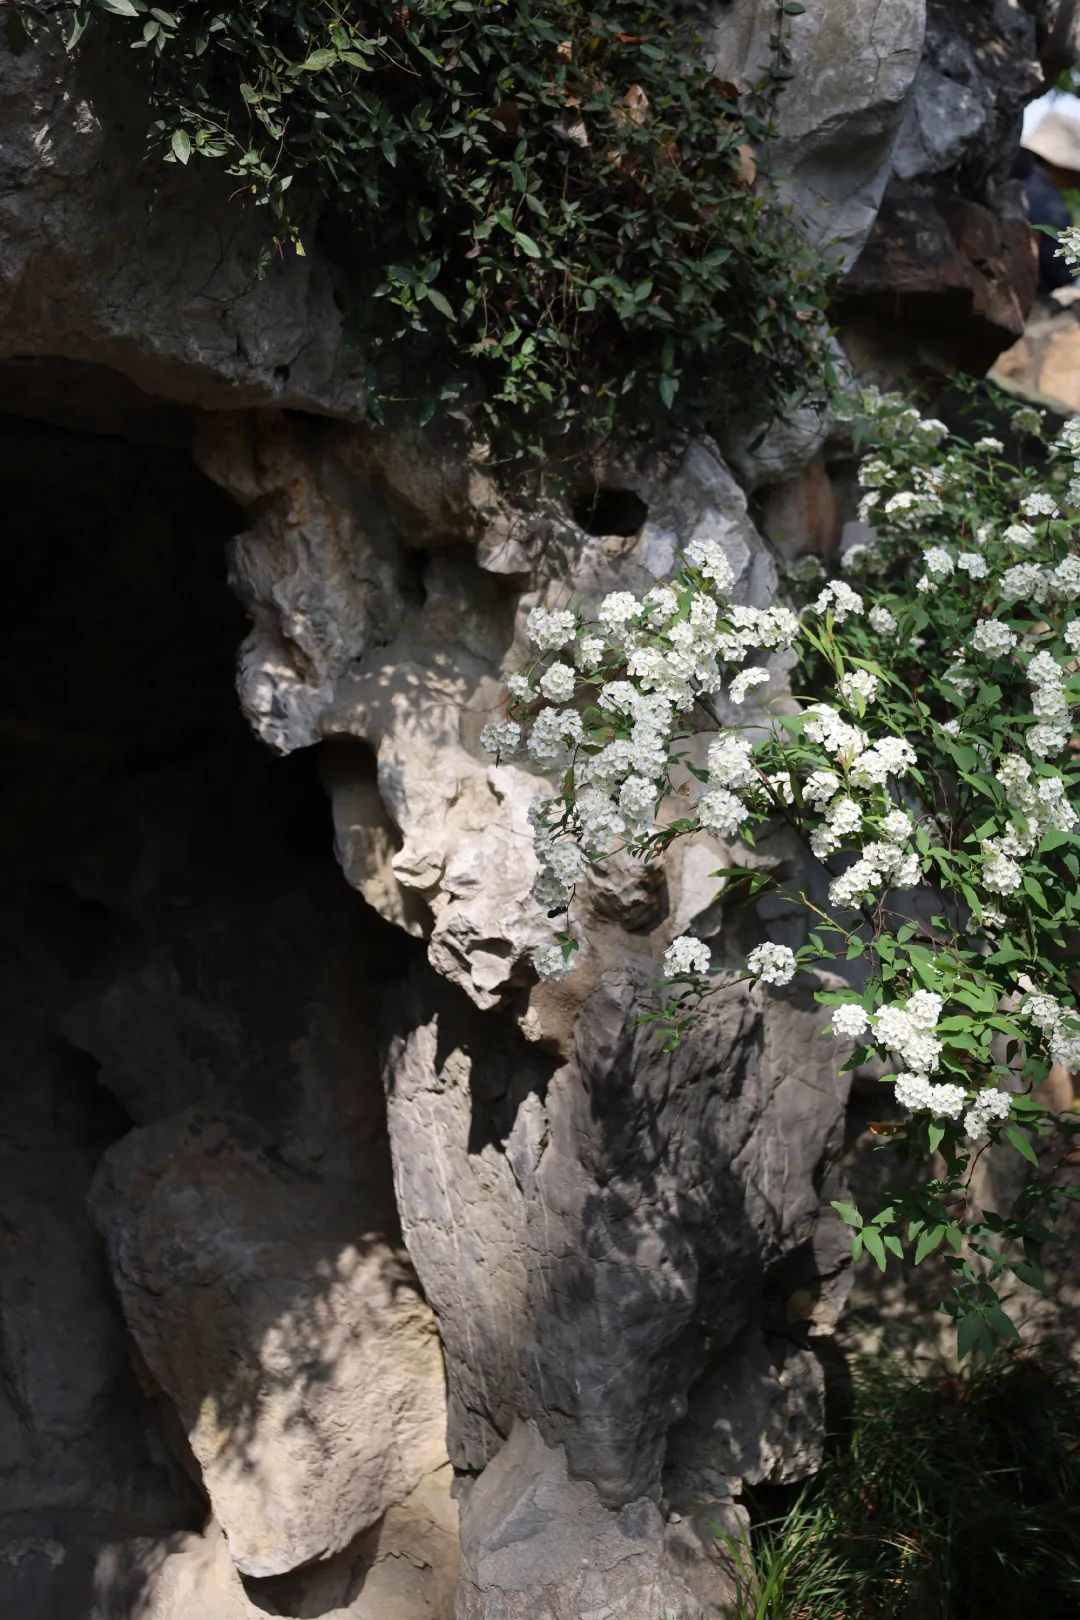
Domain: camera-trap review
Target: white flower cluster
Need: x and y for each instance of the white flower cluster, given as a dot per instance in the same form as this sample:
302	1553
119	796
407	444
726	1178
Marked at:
908	1030
992	637
850	1021
859	683
922	1096
548	630
686	957
989	1104
1059	1025
772	964
1050	704
840	600
500	737
962	608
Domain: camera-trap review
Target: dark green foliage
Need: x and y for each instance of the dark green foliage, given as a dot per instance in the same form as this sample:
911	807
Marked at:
954	1499
542	209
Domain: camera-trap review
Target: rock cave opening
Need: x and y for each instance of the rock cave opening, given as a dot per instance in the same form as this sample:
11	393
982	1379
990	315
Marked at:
190	993
605	510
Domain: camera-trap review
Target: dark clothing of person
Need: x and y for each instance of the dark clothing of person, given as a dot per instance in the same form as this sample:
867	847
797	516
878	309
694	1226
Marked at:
1046	206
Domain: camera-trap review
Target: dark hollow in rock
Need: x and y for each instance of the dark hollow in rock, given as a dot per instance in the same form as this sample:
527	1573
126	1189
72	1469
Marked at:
607	510
178	936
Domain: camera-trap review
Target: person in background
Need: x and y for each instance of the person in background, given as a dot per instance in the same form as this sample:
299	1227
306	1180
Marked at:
1049	164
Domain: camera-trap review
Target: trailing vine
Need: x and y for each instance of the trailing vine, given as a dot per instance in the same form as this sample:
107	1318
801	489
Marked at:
547	212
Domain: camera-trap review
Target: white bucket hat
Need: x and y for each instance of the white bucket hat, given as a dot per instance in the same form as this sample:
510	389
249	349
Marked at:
1055	139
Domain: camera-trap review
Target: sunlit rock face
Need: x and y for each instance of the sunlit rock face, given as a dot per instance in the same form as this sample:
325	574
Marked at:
323	1223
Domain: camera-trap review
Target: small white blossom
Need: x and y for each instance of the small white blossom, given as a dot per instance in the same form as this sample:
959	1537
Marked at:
518	687
823	725
1039	503
843	816
745	680
947	1101
1000	874
500	737
557	683
1043	1010
992	637
924	1009
637	798
730	761
840	599
721	812
859	683
973	564
773	964
912	1091
550	630
889	756
882	621
896	826
1065	578
685	957
852	886
989	1104
553	731
661	602
820	787
617	612
850	1021
1027	582
589	653
1047	740
938	562
711	558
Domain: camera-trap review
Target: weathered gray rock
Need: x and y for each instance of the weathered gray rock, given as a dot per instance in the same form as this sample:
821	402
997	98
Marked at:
591	1237
542	1546
145	268
431	833
854	64
979	69
948	272
290	1337
757	1414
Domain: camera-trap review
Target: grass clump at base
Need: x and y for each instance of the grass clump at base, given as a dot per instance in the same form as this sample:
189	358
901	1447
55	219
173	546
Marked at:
950	1499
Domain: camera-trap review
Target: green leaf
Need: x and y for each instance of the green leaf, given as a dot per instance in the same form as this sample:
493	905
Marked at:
1022	1145
971	1335
935	1135
1003	1325
122	8
442	304
181	145
318	60
848	1213
527	245
1054	840
928	1242
874	1245
668	386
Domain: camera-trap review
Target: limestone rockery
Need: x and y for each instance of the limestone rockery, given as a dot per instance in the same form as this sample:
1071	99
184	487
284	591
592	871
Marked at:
344	1270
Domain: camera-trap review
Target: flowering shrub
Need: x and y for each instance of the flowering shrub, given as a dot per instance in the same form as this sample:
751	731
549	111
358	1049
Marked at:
930	776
